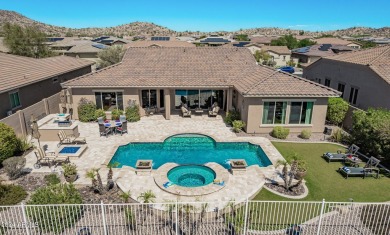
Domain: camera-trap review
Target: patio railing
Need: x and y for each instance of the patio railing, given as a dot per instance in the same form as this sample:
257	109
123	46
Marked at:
250	217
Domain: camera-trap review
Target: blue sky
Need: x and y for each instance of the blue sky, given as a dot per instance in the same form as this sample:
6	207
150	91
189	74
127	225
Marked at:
208	15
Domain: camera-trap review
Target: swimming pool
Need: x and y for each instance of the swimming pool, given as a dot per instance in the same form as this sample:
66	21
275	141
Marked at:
187	149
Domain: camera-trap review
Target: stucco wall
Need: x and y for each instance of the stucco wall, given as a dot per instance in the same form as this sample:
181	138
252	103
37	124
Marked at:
373	90
252	114
35	92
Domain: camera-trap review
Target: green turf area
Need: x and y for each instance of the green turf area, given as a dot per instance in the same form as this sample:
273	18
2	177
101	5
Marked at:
324	181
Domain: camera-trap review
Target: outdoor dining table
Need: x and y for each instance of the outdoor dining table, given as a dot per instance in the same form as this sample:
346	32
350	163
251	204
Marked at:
112	125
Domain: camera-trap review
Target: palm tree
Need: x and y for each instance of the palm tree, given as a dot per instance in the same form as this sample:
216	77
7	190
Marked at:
99	180
91	175
147	197
110	173
125	196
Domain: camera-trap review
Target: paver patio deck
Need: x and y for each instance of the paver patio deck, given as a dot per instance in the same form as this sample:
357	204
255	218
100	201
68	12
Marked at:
156	129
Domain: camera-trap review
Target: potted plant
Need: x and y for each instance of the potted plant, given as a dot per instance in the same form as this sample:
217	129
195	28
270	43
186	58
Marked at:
238	163
70	172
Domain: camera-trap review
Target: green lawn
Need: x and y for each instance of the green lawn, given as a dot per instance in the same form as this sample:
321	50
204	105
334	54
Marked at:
324	181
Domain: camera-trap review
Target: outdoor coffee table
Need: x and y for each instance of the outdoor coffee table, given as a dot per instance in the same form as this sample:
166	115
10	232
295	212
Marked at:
198	111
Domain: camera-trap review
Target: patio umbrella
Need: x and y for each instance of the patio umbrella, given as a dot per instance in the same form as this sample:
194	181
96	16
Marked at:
34	129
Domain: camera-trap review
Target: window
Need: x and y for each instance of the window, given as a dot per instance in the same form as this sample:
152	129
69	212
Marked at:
353	95
301	112
284	58
327	82
341	88
149	98
274	113
109	101
14	98
319	80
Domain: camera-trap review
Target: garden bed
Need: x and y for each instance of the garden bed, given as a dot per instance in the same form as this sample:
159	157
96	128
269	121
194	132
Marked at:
294	191
109	197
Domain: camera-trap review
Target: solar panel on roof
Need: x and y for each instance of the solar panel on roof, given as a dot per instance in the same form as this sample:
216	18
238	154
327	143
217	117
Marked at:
325	47
240	44
159	38
100	46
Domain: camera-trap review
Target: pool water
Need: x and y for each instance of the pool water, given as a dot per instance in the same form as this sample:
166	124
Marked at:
191	175
71	150
190	149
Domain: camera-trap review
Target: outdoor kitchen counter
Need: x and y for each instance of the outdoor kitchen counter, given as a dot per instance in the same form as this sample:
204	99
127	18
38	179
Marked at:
49	129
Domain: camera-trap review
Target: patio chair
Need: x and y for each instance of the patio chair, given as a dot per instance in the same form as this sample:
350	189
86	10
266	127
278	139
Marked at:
69	139
370	169
100	120
185	112
122	118
122	128
103	130
339	156
42	157
214	110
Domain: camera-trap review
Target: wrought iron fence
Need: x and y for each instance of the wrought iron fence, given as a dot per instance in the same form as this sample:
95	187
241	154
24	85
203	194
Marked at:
181	218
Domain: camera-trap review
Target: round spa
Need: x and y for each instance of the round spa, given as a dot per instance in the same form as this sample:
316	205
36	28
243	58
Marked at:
191	175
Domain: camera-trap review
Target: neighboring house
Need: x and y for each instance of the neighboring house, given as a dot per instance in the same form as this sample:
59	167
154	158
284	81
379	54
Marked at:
363	77
186	39
162	79
84	49
279	54
26	81
265	40
214	41
3	48
310	54
338	41
160	44
110	40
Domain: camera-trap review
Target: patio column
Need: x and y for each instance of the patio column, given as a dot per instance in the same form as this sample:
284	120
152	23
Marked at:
167	102
229	99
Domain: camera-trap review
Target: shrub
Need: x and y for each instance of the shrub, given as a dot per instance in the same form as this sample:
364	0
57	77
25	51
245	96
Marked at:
23	145
13	166
339	136
8	142
52	179
238	125
11	194
232	116
280	132
70	172
337	109
305	134
64	216
371	132
100	113
132	113
86	110
116	113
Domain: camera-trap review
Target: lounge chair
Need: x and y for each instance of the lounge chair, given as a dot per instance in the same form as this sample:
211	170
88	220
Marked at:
42	157
339	156
70	139
103	130
370	169
214	110
185	112
122	128
122	118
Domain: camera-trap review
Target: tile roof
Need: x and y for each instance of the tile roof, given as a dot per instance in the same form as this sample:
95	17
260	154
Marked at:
160	44
199	67
18	71
281	50
333	41
377	58
263	39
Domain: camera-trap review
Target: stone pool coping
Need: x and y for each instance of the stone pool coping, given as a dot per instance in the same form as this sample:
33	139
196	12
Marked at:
76	154
160	178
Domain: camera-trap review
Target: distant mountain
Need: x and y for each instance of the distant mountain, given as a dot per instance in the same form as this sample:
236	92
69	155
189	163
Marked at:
135	28
148	29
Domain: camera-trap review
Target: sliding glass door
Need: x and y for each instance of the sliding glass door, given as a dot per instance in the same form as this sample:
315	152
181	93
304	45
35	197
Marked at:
109	101
198	98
